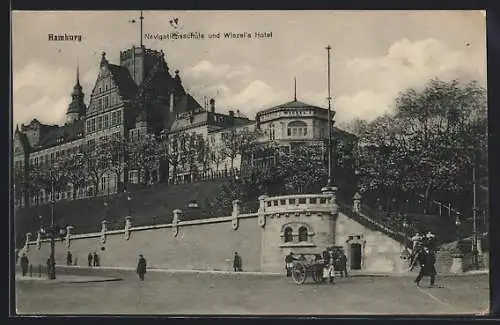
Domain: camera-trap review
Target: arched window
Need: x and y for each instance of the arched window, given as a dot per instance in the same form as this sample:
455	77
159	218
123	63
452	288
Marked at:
302	234
288	235
297	129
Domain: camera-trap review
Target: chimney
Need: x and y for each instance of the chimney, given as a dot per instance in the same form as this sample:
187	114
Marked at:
212	105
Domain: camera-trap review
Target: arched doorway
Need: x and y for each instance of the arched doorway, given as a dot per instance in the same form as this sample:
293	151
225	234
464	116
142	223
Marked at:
355	256
355	248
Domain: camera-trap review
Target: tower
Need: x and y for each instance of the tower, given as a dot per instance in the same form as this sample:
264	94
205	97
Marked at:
77	108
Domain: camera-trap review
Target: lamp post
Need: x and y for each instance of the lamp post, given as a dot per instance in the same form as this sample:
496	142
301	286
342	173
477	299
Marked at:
329	98
475	259
129	198
405	229
51	231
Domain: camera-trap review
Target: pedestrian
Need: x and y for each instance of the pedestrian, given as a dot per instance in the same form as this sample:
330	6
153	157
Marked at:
329	270
141	267
431	240
96	259
426	259
289	264
69	259
343	263
90	259
237	263
50	265
24	264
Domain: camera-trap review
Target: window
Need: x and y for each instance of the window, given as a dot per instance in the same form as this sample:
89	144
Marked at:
106	121
297	128
113	118
119	117
106	101
92	125
302	234
288	235
99	123
88	126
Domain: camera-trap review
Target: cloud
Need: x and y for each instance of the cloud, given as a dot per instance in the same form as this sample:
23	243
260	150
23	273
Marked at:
406	65
41	91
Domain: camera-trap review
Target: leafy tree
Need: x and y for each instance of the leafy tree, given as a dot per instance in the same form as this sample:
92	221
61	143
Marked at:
74	166
429	144
235	142
144	156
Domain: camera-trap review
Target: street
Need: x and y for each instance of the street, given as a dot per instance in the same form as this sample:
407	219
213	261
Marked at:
181	293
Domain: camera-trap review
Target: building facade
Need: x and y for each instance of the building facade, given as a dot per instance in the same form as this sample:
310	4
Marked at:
137	99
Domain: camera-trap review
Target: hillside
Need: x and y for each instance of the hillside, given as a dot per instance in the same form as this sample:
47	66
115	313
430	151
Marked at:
151	205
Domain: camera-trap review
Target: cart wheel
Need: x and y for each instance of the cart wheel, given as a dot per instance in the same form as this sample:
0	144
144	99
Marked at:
299	273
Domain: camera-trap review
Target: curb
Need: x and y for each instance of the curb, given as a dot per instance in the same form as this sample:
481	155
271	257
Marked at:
33	279
159	270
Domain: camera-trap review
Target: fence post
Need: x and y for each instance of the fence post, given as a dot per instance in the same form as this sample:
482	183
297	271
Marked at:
31	270
39	270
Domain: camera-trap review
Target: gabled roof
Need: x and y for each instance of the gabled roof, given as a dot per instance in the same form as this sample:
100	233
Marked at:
126	85
187	104
68	132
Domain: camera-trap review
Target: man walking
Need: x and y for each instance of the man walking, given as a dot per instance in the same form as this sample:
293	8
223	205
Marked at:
141	267
69	259
343	263
289	264
96	259
237	263
24	264
90	258
426	260
329	270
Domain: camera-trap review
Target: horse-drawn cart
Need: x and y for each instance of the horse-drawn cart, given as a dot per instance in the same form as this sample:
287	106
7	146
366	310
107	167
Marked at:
304	267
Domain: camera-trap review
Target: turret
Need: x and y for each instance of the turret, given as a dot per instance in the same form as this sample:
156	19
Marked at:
77	108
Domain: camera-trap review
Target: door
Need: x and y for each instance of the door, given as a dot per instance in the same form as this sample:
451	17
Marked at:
355	256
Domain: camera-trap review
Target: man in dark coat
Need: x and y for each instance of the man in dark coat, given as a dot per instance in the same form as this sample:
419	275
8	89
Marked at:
90	258
426	260
24	264
342	263
289	264
237	262
69	259
141	267
96	259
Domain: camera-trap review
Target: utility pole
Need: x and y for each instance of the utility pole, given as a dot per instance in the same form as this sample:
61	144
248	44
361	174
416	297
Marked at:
52	267
329	98
141	19
474	220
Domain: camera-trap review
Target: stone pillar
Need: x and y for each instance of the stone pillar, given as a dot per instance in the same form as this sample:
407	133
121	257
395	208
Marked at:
39	240
128	225
68	235
332	191
175	222
356	207
104	228
235	214
262	209
28	239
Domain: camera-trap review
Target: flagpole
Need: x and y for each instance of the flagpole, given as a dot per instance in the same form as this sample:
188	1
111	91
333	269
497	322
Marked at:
141	18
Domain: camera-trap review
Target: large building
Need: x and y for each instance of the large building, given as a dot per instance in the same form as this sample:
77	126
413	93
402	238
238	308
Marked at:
140	97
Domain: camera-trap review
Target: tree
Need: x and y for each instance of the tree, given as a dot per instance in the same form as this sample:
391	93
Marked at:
74	165
430	142
144	156
169	152
235	142
97	161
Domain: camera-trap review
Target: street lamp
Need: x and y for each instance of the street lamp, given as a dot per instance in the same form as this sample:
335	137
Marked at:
405	229
129	198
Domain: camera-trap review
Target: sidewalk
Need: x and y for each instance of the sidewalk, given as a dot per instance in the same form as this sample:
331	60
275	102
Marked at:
357	273
64	278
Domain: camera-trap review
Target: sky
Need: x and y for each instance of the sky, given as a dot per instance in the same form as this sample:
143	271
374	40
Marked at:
375	55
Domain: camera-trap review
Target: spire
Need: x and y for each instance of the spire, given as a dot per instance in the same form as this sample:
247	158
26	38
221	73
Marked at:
295	89
103	59
77	72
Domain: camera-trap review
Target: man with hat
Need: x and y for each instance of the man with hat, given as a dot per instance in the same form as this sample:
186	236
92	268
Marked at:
141	267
